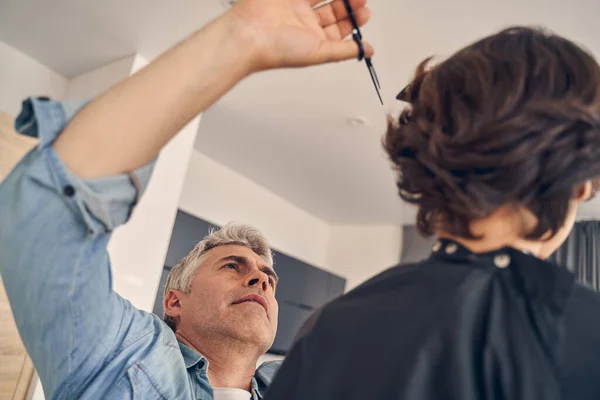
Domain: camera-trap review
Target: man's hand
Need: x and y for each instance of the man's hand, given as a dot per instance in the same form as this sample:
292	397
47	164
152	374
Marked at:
291	33
126	126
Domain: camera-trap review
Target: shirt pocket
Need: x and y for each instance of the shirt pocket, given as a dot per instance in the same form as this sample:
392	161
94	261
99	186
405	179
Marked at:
133	385
161	375
142	386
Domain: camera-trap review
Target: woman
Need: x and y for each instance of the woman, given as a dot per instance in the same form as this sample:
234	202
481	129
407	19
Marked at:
499	146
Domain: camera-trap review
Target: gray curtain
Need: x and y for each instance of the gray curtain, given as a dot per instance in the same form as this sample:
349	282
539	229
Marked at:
580	253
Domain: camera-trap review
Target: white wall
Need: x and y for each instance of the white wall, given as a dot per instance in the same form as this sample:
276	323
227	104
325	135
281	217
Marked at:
220	195
138	249
21	76
92	83
358	252
590	210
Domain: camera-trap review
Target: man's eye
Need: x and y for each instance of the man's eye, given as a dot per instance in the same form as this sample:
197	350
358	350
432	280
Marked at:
272	282
230	266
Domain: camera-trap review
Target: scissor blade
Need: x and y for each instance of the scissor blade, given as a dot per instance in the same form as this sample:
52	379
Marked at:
375	81
379	94
373	73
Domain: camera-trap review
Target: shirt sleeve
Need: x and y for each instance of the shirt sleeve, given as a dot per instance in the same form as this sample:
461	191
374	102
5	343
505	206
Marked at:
54	229
102	204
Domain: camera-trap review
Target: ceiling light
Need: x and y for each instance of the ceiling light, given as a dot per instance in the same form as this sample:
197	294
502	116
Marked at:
357	121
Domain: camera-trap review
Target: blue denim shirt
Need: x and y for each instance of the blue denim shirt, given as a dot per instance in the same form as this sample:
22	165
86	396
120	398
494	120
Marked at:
85	340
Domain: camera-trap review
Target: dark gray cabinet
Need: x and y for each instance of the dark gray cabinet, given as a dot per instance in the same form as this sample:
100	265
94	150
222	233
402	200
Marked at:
291	318
158	302
337	285
302	287
301	283
187	232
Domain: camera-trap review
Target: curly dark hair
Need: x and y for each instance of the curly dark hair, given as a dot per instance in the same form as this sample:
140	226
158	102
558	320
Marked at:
513	119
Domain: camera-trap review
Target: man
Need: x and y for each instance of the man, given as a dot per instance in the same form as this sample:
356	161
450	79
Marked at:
61	203
220	301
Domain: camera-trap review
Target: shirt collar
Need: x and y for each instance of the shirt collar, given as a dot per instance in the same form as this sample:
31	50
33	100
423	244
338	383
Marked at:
192	357
256	394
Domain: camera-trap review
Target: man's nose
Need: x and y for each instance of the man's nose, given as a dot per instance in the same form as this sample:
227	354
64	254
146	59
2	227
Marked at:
258	279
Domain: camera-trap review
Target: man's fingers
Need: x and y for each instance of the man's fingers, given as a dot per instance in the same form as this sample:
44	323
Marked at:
340	50
343	28
313	3
335	11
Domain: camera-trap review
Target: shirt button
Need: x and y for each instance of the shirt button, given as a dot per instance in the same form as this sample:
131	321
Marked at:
437	246
451	248
69	191
502	260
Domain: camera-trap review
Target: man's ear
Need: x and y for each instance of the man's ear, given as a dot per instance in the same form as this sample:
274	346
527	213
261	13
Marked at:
172	304
584	192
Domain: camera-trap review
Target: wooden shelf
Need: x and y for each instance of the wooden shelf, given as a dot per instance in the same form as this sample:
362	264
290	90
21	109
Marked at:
16	369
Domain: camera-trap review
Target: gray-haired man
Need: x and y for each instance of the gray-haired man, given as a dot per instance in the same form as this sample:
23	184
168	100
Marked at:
61	203
220	301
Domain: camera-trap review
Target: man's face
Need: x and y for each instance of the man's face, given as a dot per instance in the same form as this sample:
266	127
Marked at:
232	296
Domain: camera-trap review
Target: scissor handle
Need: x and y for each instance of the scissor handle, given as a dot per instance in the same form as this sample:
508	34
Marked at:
353	19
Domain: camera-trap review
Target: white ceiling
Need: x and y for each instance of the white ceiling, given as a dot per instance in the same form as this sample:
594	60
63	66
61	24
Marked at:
288	130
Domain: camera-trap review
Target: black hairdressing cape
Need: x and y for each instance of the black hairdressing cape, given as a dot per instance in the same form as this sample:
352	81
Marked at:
499	325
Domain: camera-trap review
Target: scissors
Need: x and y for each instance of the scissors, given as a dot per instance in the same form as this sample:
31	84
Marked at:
357	36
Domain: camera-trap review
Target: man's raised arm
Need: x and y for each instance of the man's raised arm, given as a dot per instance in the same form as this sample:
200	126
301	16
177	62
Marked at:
127	126
61	203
